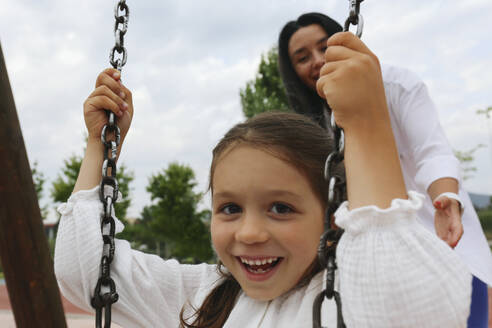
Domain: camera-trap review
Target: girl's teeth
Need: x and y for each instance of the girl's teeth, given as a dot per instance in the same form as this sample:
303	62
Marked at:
258	270
259	262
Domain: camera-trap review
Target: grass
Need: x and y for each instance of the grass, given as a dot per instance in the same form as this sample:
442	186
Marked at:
486	221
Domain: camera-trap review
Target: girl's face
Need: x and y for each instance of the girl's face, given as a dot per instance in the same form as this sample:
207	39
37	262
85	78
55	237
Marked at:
307	53
266	221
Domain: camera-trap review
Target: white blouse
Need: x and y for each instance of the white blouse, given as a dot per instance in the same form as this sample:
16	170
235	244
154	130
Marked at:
392	273
425	156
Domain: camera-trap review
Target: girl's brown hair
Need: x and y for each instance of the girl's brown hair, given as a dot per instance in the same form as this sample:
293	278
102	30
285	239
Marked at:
293	138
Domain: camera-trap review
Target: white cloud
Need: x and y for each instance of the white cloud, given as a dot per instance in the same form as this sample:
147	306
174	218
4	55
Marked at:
477	76
187	61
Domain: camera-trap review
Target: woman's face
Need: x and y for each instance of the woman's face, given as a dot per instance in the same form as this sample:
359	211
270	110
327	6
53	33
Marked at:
307	53
266	221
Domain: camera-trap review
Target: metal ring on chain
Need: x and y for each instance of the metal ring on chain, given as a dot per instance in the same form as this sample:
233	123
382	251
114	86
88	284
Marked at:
331	189
327	245
119	40
338	134
121	5
100	301
109	163
108	207
112	225
107	128
331	160
120	62
123	29
328	162
359	22
114	149
333	124
108	247
353	8
341	143
111	182
317	305
111	119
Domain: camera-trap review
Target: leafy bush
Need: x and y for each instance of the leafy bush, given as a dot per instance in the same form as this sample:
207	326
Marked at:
486	221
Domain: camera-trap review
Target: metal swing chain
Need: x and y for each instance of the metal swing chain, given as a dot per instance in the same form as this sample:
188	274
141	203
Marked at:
355	18
105	291
336	192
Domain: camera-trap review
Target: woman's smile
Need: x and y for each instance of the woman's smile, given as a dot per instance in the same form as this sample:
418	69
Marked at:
306	51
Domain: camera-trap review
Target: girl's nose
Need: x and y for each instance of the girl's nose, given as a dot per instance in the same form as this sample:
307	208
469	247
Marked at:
252	230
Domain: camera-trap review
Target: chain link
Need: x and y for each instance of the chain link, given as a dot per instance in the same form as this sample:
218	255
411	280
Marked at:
105	291
355	18
336	194
120	28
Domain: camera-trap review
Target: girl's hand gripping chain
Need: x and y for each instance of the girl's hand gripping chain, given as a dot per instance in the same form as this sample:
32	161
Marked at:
352	84
109	94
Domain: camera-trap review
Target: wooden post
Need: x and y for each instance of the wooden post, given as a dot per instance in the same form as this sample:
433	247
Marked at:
24	251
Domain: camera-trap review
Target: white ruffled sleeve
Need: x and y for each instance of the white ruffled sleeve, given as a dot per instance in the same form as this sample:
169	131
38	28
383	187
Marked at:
151	291
394	273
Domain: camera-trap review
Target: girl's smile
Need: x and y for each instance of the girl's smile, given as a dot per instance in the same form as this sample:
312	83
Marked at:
259	269
266	220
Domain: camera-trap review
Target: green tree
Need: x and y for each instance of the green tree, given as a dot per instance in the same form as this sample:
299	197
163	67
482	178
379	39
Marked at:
142	236
466	158
174	222
63	186
266	91
485	112
39	180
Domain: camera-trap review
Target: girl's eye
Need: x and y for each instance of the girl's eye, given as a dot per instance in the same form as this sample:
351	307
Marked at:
229	209
280	208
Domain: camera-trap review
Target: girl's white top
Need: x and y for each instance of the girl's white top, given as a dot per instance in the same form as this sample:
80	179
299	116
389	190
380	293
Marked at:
391	273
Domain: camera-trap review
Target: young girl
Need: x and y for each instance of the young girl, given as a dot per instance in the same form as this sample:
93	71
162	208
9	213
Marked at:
268	201
427	160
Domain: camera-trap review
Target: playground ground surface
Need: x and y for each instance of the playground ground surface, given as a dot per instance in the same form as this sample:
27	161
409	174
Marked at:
77	318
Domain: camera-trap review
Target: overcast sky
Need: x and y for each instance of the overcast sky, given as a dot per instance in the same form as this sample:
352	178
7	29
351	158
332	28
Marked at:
188	59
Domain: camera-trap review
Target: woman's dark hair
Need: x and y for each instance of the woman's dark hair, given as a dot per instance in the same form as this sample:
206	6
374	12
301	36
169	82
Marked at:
293	138
302	99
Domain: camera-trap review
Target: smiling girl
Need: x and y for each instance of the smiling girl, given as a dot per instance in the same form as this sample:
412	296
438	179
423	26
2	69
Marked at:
268	202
